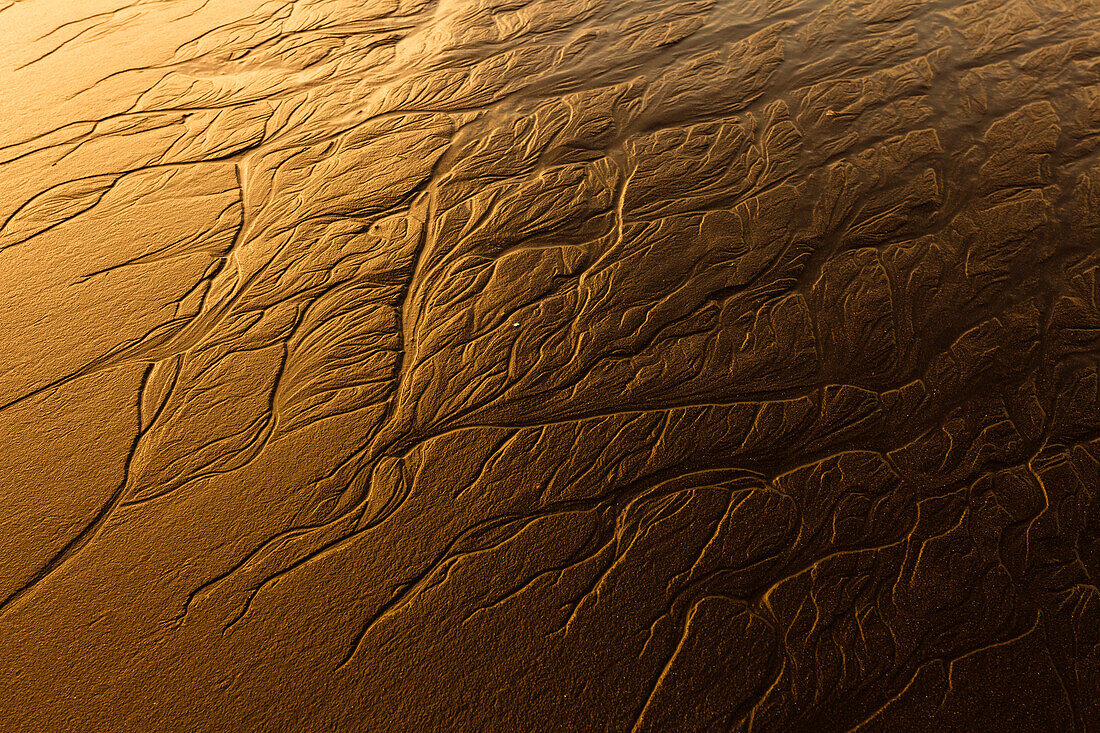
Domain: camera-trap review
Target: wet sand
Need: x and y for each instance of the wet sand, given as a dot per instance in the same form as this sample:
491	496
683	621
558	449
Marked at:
564	365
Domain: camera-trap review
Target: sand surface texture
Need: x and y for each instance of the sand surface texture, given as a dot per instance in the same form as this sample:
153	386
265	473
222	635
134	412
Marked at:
549	365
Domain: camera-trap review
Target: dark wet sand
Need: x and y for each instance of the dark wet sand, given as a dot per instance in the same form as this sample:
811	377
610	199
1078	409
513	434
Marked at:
564	365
